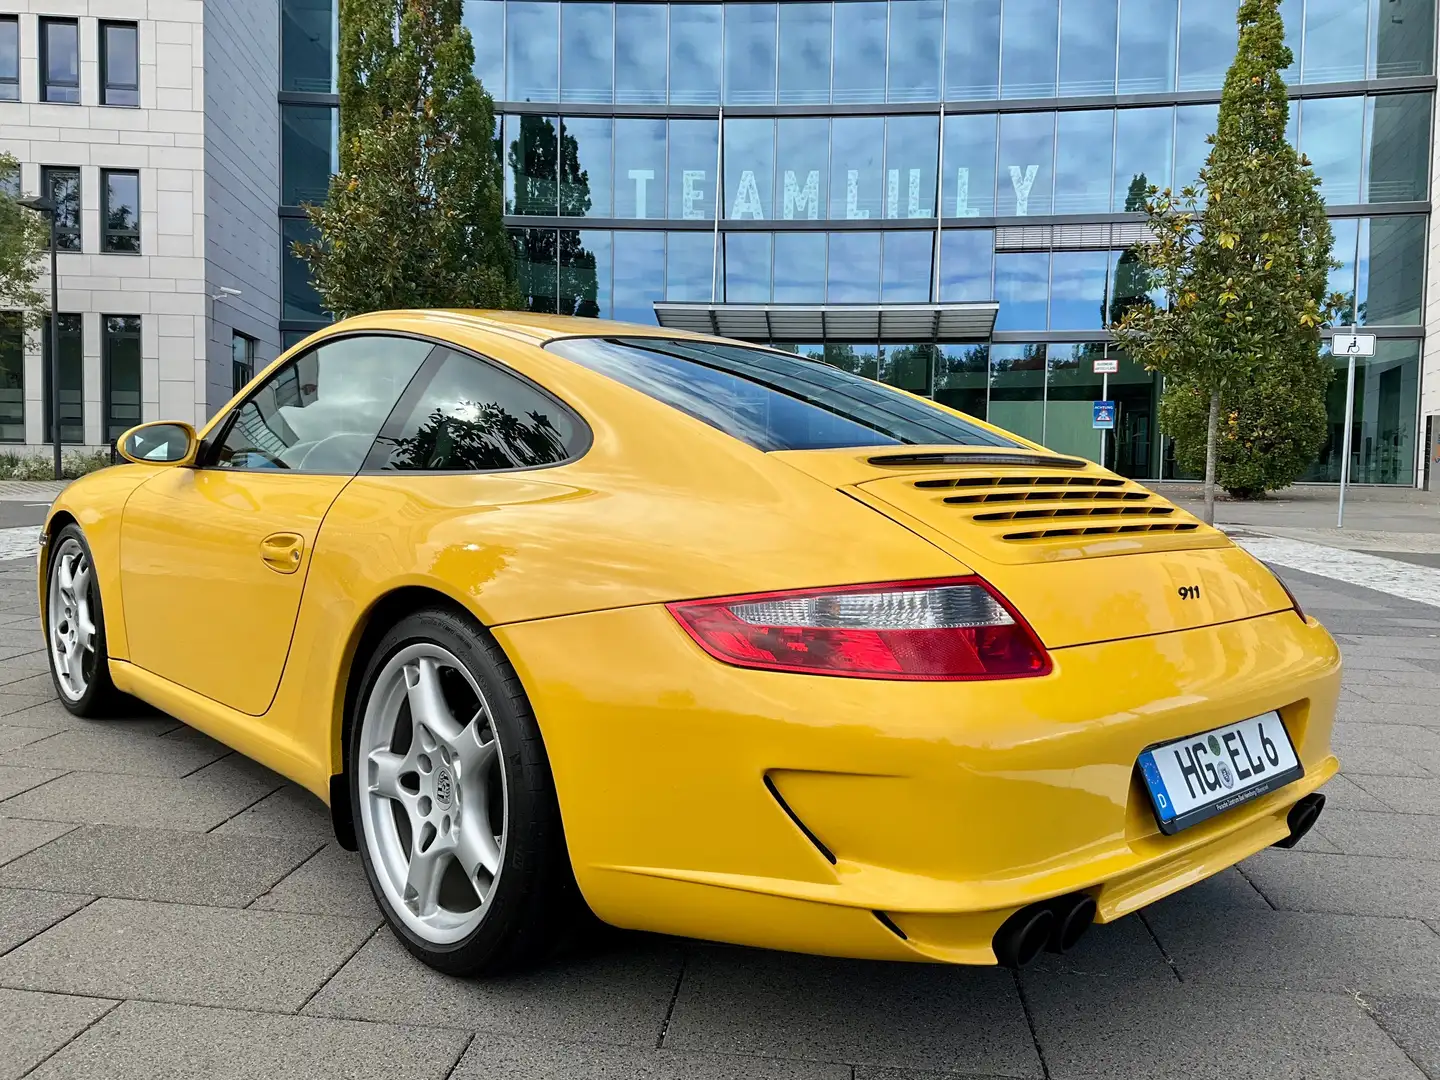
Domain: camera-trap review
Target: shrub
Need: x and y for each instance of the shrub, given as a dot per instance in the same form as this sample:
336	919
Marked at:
73	464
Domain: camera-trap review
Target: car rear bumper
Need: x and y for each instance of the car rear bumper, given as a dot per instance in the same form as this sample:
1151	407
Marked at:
709	801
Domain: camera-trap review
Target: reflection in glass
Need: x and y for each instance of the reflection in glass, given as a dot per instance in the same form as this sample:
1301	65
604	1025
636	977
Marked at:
1017	390
1147	46
749	168
1334	41
1130	285
639	169
1399	152
749	54
532	50
805	53
1193	125
694	54
1031	31
690	266
1022	287
120	211
1142	151
908	366
1087	47
1083	145
12	375
854	268
71	348
856	144
639	274
862	360
747	268
972	50
1390	270
962	378
1077	289
802	149
531	168
969	187
640	53
485	19
1341	279
693	159
916	33
1402	41
1290	15
584	273
799	268
123	366
859	72
586	143
120	64
911	143
1207	43
537	268
1383	420
1026	174
1330	131
906	270
308	43
966	258
587	53
1070	391
299	300
62	185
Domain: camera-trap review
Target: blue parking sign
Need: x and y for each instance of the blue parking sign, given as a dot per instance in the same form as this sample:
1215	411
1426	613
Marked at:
1104	415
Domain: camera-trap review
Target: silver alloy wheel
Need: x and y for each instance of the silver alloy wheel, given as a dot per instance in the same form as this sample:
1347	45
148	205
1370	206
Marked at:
71	619
432	793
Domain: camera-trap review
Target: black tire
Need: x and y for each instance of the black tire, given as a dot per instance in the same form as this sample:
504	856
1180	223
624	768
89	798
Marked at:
535	902
99	697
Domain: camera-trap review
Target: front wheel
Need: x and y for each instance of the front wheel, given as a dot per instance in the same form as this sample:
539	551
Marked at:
75	628
459	826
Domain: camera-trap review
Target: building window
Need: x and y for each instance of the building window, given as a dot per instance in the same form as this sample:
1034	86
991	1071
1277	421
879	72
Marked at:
309	141
60	60
119	64
242	360
12	377
308	45
62	184
10	58
122	368
120	212
72	381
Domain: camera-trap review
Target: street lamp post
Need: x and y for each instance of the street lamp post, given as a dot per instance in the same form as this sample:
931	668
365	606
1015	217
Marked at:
46	206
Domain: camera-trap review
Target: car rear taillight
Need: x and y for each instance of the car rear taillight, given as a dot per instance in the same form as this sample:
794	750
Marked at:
954	628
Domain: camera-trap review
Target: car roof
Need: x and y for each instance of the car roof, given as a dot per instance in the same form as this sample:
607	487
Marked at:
537	328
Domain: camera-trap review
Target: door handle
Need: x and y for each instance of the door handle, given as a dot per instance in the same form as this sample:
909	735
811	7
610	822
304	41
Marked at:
281	551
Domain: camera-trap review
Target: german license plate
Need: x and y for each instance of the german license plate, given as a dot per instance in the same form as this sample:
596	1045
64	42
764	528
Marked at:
1198	777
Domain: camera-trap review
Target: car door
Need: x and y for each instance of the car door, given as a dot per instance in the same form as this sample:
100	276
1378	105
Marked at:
214	558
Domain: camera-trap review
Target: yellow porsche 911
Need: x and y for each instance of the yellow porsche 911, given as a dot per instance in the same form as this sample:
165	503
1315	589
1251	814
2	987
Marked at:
716	640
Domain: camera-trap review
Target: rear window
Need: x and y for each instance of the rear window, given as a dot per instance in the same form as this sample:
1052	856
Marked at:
771	400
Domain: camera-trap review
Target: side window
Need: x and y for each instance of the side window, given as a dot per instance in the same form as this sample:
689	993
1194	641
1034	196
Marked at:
474	416
320	413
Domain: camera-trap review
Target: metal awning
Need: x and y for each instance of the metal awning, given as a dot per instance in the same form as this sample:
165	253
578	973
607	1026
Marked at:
806	323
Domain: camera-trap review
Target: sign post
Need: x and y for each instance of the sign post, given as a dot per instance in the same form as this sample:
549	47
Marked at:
1350	346
1105	367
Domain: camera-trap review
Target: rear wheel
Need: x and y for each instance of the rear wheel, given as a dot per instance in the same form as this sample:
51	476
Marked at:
75	628
459	827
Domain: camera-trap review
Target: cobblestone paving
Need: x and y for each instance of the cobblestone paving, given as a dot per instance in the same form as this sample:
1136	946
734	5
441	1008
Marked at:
168	909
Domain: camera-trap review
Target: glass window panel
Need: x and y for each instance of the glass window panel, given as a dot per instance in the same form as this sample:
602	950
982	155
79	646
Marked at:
859	71
1017	390
799	268
695	54
485	19
1070	391
1083	144
1031	30
1290	15
908	367
532	50
1342	278
911	143
1390	270
1402	38
854	268
693	157
639	169
690	267
972	50
856	186
121	357
1077	289
969	166
1022	287
906	270
63	187
585	273
586	143
119	64
587	52
308	43
242	361
749	54
749	168
1334	41
862	360
1087	47
71	361
1130	284
12	377
537	265
962	378
641	46
60	60
1383	420
1331	133
1399	150
1026	175
639	274
299	300
1207	42
10	78
747	268
1147	46
309	141
916	37
802	171
1142	151
120	211
1193	125
966	262
805	53
532	169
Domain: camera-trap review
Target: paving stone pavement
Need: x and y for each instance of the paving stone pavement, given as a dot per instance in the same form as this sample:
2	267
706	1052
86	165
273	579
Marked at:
168	909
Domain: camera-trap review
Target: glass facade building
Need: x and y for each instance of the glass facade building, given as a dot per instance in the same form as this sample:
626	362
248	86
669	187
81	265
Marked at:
923	151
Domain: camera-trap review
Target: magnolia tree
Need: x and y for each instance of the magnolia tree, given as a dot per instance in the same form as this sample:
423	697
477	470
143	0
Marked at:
1243	255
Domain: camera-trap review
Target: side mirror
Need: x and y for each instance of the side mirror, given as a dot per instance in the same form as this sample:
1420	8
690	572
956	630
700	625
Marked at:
164	442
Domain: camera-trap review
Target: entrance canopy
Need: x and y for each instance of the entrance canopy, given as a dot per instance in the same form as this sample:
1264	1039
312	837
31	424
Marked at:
804	323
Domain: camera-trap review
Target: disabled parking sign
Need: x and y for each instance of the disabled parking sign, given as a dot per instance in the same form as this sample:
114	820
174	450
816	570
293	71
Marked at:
1104	415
